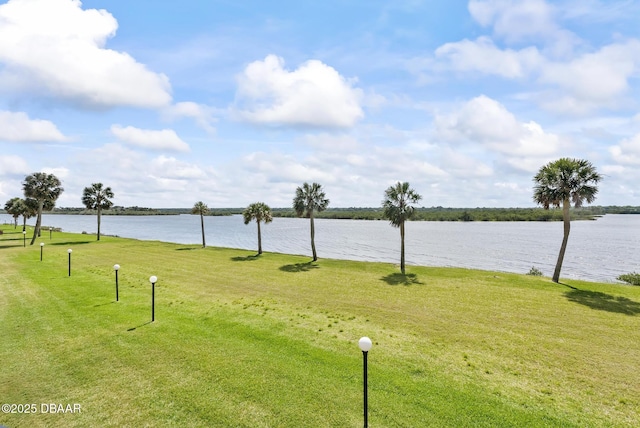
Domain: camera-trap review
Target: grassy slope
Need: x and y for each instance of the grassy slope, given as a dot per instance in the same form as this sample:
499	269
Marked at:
241	341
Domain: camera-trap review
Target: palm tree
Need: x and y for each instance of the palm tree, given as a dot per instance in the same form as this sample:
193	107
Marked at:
97	198
561	182
258	211
13	207
397	208
309	199
202	209
45	189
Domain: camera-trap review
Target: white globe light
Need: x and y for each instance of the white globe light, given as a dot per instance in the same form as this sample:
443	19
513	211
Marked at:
365	344
69	251
116	267
42	244
153	279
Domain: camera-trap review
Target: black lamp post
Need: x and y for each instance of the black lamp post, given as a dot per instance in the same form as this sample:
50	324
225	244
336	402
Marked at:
69	251
41	247
24	238
365	345
116	268
153	280
50	230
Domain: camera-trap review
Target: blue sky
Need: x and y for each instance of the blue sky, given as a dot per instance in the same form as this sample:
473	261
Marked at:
231	102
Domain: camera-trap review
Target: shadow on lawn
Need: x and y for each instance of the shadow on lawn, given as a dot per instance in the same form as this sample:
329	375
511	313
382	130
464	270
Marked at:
138	326
72	242
245	258
400	279
604	302
188	248
299	267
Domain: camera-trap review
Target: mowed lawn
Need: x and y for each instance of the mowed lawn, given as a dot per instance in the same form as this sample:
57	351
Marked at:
271	341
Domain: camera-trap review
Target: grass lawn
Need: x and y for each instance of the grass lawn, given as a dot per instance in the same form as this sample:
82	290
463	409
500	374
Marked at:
271	341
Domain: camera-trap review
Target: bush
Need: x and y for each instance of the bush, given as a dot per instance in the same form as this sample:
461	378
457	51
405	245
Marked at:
534	271
630	278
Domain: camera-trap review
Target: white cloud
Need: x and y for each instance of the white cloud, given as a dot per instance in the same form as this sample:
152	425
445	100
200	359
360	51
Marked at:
61	172
165	139
628	151
484	56
523	20
17	126
314	95
486	121
171	168
593	80
202	114
54	48
13	165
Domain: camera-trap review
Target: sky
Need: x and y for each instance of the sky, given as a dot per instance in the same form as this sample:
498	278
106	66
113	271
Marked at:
232	102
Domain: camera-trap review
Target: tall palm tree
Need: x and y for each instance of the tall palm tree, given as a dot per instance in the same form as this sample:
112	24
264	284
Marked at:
97	198
397	208
45	189
202	209
562	182
258	211
310	198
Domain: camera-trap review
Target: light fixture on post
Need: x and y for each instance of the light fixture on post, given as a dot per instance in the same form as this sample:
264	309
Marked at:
24	238
365	345
50	232
41	247
153	279
69	251
116	268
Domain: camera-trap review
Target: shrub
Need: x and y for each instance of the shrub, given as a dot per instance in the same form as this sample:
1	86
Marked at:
534	271
630	278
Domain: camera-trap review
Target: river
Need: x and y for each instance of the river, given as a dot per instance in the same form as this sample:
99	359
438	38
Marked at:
597	251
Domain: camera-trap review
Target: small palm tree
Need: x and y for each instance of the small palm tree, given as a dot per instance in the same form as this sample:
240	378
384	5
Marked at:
13	207
97	198
562	182
397	208
260	212
310	198
45	189
202	209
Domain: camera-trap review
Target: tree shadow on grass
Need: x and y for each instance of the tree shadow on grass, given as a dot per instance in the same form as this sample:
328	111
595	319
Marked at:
604	302
299	267
188	248
245	258
400	279
72	242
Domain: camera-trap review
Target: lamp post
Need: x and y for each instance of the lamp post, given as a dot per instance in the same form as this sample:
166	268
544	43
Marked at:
50	230
69	251
24	238
116	268
41	247
153	279
365	345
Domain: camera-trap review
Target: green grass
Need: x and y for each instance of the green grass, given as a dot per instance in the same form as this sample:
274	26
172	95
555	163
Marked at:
271	341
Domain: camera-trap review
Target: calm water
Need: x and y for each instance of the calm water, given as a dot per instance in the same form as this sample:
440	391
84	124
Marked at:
598	250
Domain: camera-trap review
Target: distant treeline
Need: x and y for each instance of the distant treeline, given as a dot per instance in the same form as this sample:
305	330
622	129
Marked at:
424	214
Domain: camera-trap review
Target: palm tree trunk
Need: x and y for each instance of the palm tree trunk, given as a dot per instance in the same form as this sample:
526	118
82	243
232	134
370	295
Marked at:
313	234
567	228
36	230
259	238
402	247
99	212
204	244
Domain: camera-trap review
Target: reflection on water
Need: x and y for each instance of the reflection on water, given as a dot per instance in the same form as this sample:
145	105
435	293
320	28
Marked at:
598	250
